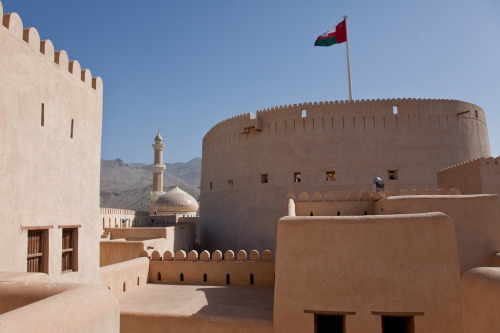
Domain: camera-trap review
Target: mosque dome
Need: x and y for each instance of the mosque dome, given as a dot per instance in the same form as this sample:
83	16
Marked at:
176	201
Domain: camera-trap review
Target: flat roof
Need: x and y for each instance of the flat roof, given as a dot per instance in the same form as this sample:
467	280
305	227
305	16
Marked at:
239	303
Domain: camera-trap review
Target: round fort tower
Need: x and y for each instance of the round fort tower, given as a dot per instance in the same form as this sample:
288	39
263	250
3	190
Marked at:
251	164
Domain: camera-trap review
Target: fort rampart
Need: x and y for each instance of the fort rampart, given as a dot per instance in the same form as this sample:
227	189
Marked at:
250	162
50	134
230	269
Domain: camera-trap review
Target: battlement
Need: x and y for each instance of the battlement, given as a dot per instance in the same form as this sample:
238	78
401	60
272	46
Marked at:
13	23
192	268
475	163
358	115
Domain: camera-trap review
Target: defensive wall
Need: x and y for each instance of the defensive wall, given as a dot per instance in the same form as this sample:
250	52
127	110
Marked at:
50	134
230	269
128	243
364	268
250	163
122	218
481	175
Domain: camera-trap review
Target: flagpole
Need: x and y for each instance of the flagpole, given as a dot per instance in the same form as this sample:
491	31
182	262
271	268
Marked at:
348	63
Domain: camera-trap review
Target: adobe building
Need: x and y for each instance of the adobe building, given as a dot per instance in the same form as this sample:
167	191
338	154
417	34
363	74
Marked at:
415	257
252	164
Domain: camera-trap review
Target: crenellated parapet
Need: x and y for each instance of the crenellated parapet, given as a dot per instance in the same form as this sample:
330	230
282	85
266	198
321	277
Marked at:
477	176
216	268
13	23
402	113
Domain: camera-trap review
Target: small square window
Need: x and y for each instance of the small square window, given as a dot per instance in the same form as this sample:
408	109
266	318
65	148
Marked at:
264	178
230	183
329	323
330	176
398	324
297	177
392	174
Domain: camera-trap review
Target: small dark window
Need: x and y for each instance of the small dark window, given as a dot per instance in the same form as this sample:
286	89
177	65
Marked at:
124	287
392	174
366	213
43	115
330	176
297	177
230	183
329	323
72	123
251	279
311	213
264	178
228	279
181	278
395	109
477	114
211	185
205	277
398	324
338	213
138	281
159	276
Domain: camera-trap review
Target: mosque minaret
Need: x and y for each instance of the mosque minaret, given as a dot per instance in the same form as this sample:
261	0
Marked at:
158	168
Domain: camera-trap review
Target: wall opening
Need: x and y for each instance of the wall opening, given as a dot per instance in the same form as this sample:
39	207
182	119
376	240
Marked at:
37	250
43	115
211	185
477	114
395	109
338	213
297	177
398	324
366	213
159	276
264	178
72	123
138	282
304	113
251	279
230	183
205	277
329	323
124	287
181	277
330	176
228	279
392	174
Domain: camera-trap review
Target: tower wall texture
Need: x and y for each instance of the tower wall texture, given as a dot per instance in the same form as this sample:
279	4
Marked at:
357	140
50	138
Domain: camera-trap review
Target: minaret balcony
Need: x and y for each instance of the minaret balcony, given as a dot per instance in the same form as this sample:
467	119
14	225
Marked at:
158	168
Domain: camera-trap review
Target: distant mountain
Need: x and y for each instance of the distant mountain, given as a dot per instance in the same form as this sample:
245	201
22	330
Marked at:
127	185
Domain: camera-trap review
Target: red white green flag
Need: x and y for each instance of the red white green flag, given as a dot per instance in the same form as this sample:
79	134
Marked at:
335	35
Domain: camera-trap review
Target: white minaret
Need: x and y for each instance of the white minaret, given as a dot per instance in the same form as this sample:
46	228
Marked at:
157	168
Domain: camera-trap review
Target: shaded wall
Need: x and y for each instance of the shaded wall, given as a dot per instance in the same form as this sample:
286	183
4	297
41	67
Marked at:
361	265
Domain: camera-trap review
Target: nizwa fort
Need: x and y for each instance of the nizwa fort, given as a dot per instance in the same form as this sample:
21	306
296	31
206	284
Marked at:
292	232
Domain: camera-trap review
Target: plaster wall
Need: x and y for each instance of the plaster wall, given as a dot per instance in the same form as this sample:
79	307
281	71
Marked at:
239	272
113	218
392	264
358	140
50	134
124	276
476	219
479	176
480	300
25	307
120	250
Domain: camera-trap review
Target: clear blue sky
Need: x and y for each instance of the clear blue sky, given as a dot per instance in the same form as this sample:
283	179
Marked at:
185	65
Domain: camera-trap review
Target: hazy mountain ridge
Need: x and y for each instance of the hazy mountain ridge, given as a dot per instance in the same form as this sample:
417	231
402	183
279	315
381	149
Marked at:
128	185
